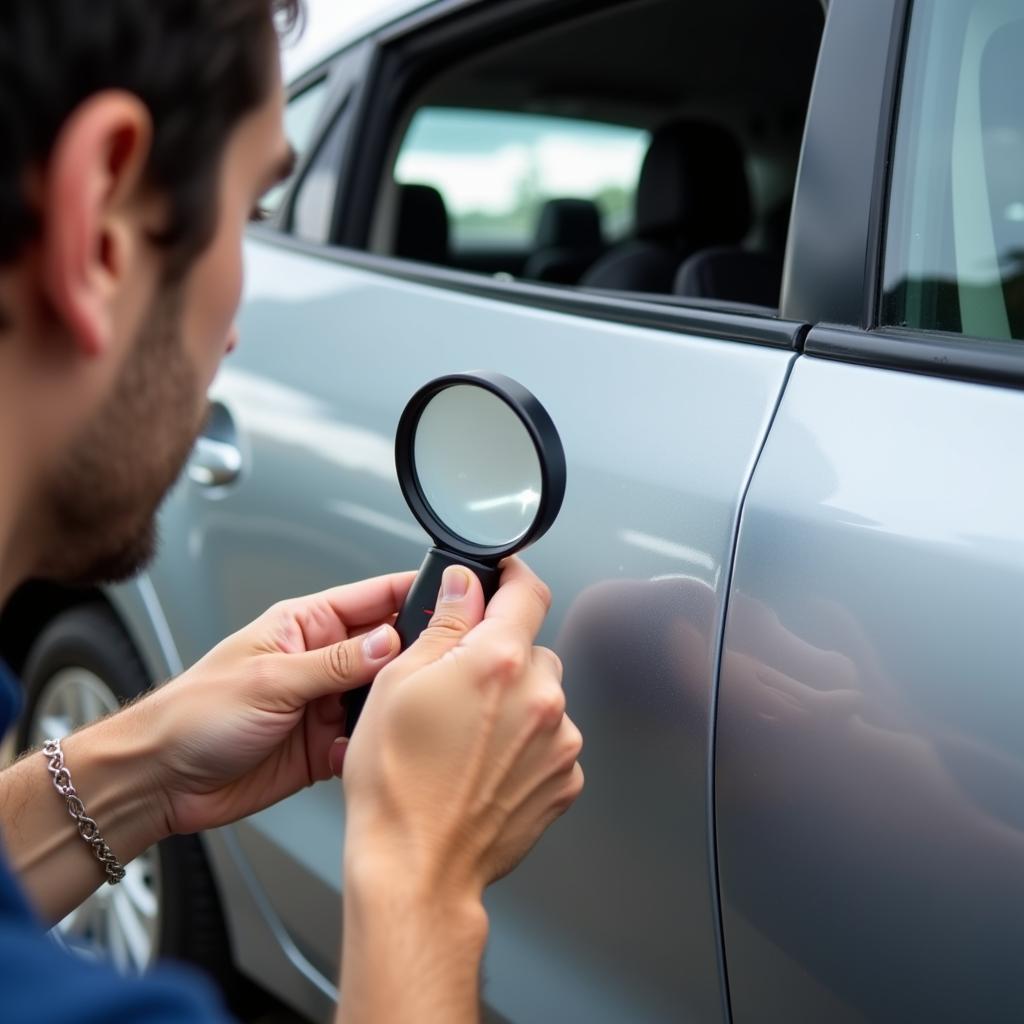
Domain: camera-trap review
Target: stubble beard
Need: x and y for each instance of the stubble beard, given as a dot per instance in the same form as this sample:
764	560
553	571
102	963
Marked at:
103	501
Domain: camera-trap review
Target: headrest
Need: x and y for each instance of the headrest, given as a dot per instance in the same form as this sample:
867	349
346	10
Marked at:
693	186
421	227
569	224
732	275
776	226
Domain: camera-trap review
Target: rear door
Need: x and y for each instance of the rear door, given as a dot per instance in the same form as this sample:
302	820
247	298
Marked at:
870	739
663	408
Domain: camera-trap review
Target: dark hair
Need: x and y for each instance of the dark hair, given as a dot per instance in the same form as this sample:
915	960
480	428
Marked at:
198	65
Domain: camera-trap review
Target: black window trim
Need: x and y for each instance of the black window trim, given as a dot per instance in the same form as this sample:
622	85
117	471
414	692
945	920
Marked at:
747	324
833	257
884	152
959	357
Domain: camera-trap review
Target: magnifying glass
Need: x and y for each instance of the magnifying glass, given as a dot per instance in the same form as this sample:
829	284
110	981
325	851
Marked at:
482	468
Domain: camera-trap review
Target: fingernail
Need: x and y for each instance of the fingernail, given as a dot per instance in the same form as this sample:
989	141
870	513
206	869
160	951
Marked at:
377	644
454	584
336	756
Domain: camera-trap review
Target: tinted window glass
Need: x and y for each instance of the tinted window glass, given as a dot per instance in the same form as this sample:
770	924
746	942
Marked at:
314	200
300	120
642	147
955	248
496	169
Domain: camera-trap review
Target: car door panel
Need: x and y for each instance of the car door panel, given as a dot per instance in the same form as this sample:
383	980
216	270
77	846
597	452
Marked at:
615	913
870	750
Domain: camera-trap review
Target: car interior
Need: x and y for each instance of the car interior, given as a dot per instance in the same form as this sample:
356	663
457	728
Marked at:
717	94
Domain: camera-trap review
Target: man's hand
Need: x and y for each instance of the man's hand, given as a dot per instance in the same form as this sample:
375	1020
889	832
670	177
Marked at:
464	753
463	756
255	720
250	724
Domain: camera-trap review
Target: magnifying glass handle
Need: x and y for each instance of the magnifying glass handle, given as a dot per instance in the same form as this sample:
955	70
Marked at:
419	607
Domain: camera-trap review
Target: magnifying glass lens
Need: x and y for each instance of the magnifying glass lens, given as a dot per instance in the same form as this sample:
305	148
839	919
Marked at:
477	466
482	467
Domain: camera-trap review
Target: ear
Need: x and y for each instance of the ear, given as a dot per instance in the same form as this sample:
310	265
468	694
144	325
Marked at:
93	208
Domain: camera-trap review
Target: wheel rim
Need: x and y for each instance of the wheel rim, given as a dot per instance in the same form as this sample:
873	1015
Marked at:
120	923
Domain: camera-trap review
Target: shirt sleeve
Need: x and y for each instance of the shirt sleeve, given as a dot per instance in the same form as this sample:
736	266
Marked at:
41	983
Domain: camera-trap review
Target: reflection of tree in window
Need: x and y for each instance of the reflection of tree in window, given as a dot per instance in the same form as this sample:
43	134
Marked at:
955	234
1002	118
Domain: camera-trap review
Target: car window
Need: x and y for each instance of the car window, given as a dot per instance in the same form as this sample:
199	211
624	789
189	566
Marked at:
313	205
300	119
647	148
495	170
955	242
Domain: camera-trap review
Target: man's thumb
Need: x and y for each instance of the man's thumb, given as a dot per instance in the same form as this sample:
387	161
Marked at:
459	607
342	666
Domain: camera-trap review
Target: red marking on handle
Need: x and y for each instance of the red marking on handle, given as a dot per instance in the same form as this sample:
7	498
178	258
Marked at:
429	611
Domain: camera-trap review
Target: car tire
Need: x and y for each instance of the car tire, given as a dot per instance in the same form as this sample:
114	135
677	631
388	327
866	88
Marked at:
88	643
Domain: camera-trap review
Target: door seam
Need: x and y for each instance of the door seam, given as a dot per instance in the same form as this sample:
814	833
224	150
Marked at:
712	820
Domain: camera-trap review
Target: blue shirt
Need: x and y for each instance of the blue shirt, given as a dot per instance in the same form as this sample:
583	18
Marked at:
40	983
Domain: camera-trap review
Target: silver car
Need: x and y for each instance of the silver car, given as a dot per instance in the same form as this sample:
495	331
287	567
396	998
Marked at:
764	265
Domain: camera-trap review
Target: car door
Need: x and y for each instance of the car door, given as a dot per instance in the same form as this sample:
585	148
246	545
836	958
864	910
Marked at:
663	408
870	749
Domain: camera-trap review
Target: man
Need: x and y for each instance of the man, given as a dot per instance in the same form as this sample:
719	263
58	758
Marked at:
138	138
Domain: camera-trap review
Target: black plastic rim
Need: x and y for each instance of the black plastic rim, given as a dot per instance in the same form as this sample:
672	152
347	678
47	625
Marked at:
550	455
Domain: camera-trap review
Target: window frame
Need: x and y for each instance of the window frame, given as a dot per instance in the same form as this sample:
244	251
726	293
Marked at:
408	55
344	72
842	181
405	56
308	80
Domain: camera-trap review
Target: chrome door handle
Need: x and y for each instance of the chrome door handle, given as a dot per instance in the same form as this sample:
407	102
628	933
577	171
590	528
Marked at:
214	463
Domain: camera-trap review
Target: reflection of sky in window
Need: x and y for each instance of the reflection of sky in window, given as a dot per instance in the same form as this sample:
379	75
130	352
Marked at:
482	161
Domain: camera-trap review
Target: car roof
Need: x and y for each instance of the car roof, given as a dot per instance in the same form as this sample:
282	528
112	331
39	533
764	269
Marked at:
331	25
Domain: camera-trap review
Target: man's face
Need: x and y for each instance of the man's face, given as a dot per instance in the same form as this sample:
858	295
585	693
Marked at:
103	498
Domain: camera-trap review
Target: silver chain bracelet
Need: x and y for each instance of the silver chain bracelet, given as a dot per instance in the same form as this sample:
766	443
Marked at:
87	828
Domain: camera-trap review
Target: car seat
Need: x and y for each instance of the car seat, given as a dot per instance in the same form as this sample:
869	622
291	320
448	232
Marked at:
692	193
421	225
733	274
568	241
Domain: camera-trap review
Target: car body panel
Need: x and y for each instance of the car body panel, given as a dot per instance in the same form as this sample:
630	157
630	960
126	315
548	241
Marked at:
614	914
870	739
138	606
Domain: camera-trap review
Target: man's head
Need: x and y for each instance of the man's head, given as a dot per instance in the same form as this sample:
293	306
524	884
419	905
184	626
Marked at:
138	137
